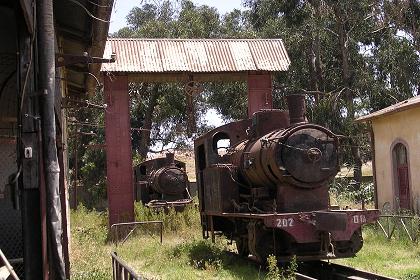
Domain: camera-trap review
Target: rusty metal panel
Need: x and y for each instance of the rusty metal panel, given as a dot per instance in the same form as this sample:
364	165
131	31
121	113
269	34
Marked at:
219	188
195	55
302	225
330	221
269	54
291	199
173	56
242	56
118	151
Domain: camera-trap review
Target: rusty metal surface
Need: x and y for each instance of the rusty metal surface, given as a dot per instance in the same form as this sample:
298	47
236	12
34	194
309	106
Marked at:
269	191
303	155
162	183
297	110
329	271
220	188
195	55
302	226
268	120
169	180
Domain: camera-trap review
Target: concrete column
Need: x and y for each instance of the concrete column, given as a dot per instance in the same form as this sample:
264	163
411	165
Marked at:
118	150
259	92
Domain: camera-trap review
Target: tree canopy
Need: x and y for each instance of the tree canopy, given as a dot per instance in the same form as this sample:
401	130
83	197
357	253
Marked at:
350	57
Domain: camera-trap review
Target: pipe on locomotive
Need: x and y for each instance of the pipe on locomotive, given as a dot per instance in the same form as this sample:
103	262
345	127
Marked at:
297	108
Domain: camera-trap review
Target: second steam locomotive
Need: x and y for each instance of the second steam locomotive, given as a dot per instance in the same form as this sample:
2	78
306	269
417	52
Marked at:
268	190
162	183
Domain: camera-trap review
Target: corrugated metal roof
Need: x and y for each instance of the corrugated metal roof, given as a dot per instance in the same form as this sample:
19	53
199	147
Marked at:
195	55
398	107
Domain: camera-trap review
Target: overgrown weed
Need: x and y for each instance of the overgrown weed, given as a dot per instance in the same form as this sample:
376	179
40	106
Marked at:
89	252
280	273
173	221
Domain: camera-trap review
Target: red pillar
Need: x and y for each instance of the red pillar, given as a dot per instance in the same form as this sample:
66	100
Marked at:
259	92
118	150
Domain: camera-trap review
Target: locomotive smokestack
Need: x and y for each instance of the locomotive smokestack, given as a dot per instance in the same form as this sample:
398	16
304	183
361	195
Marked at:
297	108
170	158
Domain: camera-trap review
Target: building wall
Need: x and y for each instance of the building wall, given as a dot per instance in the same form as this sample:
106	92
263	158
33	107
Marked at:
388	130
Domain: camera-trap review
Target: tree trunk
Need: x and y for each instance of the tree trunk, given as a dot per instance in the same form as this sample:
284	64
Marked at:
147	126
314	53
348	96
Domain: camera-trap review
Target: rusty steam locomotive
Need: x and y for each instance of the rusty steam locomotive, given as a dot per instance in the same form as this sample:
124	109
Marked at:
268	190
162	183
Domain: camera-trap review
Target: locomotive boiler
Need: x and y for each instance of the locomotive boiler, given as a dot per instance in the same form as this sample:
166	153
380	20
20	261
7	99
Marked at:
162	183
263	182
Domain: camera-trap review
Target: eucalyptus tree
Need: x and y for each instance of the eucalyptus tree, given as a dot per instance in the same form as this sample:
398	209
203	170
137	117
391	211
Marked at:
347	55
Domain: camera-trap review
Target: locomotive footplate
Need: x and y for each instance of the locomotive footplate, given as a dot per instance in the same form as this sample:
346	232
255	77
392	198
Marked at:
305	227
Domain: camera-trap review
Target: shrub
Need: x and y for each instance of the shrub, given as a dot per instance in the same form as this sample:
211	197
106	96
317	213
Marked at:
173	221
277	273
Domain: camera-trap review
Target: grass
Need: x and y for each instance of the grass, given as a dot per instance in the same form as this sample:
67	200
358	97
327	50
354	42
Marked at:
185	258
398	257
185	255
89	250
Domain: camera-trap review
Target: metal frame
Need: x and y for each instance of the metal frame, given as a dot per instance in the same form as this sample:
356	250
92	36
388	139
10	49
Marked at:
8	266
402	219
121	271
116	234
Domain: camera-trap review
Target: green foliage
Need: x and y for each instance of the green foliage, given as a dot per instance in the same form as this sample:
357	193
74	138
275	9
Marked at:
86	135
202	254
173	221
351	57
280	273
343	190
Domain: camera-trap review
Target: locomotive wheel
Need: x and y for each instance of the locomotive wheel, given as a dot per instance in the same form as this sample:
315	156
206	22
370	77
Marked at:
356	241
260	241
242	246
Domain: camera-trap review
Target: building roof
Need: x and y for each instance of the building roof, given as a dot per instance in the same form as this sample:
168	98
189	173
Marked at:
398	107
195	55
84	29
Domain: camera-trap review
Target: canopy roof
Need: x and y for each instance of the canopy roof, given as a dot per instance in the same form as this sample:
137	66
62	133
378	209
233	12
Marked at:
156	56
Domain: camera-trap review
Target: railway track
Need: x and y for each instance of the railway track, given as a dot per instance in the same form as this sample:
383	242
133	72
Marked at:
329	271
323	270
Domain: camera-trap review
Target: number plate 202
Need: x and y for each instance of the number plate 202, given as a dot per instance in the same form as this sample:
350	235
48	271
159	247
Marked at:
285	222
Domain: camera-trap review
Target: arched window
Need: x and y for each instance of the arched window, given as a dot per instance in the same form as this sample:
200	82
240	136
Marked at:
401	175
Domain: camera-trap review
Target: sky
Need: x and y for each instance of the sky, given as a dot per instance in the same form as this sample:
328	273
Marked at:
123	7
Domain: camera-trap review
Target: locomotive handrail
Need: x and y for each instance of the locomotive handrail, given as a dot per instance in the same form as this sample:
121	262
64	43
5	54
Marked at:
115	232
121	270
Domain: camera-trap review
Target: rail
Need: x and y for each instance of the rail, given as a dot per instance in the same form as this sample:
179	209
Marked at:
121	271
116	233
326	271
